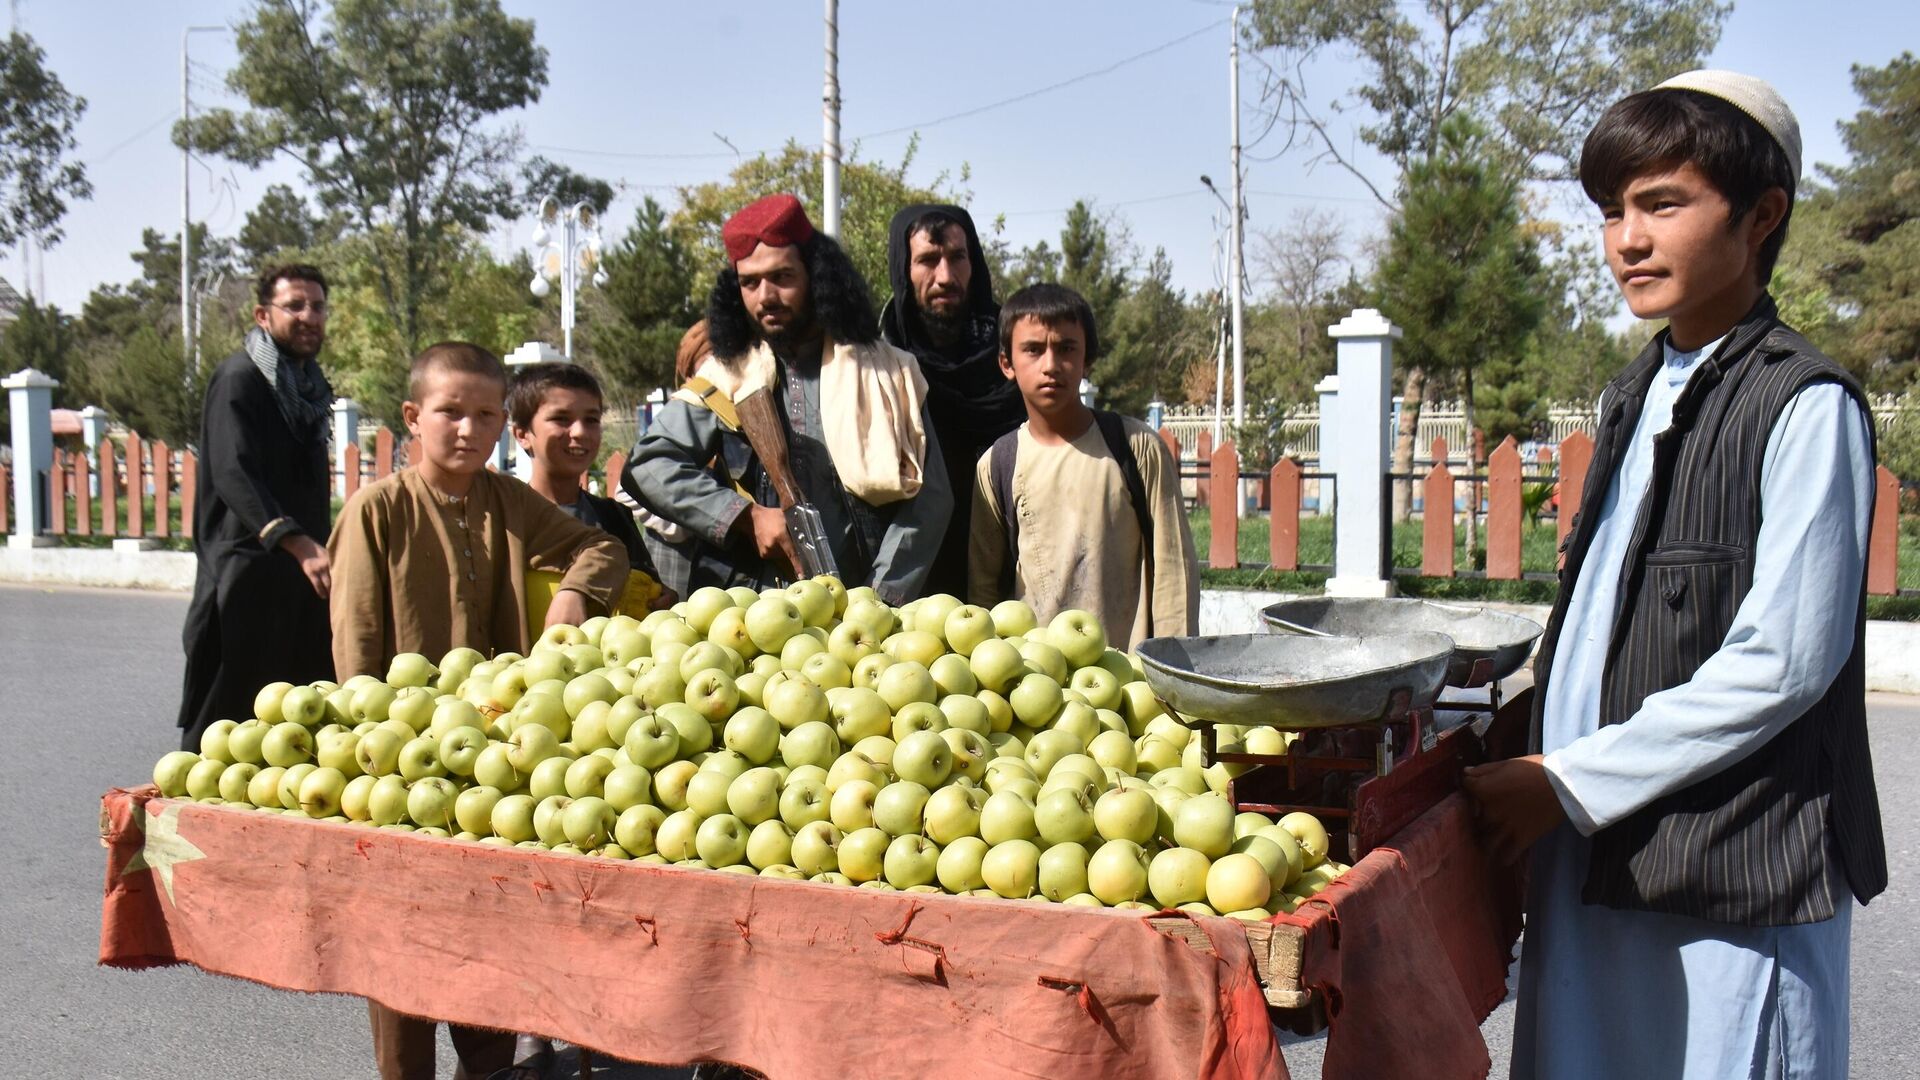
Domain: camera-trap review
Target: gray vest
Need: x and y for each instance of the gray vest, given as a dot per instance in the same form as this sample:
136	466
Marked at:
1749	845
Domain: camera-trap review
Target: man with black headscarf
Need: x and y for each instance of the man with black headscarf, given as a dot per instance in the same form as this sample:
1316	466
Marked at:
944	313
259	612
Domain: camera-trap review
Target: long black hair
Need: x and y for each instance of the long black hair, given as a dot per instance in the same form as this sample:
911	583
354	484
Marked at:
842	305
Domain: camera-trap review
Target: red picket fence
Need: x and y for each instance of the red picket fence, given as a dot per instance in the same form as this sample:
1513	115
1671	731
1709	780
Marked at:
1501	489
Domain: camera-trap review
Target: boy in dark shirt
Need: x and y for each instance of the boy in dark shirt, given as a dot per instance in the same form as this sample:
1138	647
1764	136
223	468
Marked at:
555	412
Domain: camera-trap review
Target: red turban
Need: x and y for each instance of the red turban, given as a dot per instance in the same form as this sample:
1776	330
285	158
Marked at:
776	221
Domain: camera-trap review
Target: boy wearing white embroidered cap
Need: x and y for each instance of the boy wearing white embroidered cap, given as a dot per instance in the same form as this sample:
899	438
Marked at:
1699	809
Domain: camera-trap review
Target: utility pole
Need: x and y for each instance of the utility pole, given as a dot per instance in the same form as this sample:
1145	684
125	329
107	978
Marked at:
1237	280
186	211
830	144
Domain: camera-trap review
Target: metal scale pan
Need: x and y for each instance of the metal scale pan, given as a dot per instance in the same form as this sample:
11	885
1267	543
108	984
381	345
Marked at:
1479	634
1295	682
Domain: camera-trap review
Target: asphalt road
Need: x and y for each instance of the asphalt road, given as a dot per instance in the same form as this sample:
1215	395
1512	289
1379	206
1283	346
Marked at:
89	687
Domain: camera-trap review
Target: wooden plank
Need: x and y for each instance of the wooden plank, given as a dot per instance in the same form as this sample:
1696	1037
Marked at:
109	490
83	495
1504	512
1576	454
382	453
189	491
1883	536
1276	949
162	490
1203	460
1283	523
57	494
136	487
6	496
1436	531
352	466
1224	477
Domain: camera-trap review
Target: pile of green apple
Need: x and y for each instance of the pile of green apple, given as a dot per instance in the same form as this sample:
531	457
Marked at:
808	733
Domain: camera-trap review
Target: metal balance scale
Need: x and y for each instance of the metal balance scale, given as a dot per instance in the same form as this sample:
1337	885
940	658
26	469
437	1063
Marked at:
1361	684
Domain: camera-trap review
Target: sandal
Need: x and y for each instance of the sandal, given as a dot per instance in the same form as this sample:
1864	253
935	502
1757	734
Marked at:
533	1060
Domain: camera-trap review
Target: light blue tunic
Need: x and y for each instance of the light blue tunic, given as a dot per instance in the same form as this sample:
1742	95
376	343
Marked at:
1610	993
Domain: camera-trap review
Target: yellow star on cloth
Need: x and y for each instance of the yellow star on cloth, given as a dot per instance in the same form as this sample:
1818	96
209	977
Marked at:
164	848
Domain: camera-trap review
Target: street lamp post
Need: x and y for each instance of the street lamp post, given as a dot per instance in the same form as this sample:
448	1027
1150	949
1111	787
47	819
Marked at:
566	251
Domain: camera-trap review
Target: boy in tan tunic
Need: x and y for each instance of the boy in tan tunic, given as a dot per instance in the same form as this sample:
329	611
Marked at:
435	557
1076	539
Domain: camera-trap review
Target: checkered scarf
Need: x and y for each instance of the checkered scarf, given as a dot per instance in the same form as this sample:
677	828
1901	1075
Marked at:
301	389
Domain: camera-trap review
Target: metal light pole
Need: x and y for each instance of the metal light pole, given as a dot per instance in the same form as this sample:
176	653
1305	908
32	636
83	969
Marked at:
568	258
830	143
1239	237
186	212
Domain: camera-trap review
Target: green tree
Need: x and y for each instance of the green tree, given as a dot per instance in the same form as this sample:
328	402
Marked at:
540	178
1154	336
387	105
1462	278
281	224
37	118
1571	353
42	338
870	192
649	303
1876	210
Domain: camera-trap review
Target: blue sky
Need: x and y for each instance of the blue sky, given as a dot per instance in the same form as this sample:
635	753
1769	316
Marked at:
635	79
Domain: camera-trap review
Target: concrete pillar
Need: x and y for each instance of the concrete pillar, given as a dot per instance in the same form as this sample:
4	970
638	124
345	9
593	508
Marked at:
507	456
1329	391
1156	414
1360	442
30	399
93	428
346	432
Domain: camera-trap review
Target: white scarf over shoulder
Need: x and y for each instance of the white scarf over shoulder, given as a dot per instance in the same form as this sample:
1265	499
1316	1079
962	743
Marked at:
871	399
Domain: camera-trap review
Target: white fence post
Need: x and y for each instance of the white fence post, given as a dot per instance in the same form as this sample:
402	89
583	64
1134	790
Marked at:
93	428
1358	444
346	432
30	399
507	455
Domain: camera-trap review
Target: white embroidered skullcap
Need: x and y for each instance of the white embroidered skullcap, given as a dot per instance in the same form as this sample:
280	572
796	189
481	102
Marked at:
1752	96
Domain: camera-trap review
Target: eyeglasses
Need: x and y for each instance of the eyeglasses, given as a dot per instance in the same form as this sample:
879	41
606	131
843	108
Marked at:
318	309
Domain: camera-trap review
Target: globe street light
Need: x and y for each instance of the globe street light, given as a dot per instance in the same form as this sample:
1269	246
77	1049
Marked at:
567	251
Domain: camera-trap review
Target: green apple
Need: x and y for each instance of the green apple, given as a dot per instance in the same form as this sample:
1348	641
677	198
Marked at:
966	627
754	796
953	812
527	747
879	750
584	658
1046	749
1013	618
620	718
213	741
287	745
1114	750
460	749
1044	658
1078	720
999	711
334	747
321	791
897	808
636	827
951	675
906	682
545	710
804	800
971	752
1289	846
266	703
588	822
813	743
1007	815
243	742
510	817
694	730
549	820
1205	824
493	768
911	860
707	792
862	854
1140	706
1099	686
876	617
850	642
1236	882
966	712
799	648
959	866
867	672
1246	823
997	665
549	778
793	700
353	797
234	780
455	668
1118	872
713	695
930	613
420	757
1311	835
729	629
1063	871
1078	636
816	848
670	783
263	790
661	685
413	706
754	734
1036	700
924	758
825	670
1152	754
851	807
584	689
304	705
857	713
651	741
1126	815
813	600
386	802
764	666
915	646
473	809
452	712
1064	816
627	786
203	778
372	700
770	844
1011	869
854	765
587	777
704	606
560	635
674	838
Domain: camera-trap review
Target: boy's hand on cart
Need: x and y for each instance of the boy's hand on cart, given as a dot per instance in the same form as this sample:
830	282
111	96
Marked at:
1515	804
569	606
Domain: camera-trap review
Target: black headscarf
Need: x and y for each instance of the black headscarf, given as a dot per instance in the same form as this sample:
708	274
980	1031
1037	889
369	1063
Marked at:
971	404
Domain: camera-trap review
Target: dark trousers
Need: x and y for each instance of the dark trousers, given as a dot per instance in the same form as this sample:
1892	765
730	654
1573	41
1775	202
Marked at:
403	1047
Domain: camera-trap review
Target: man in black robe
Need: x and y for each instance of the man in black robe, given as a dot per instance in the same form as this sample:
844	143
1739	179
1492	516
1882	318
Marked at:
944	313
259	611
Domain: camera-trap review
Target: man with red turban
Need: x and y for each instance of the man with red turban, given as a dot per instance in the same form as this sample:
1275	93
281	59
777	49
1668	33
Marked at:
790	316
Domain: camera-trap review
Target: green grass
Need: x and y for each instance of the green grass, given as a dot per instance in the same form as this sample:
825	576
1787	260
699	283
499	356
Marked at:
1539	549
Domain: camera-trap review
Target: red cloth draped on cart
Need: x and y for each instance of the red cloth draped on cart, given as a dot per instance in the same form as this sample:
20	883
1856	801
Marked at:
668	964
1410	949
